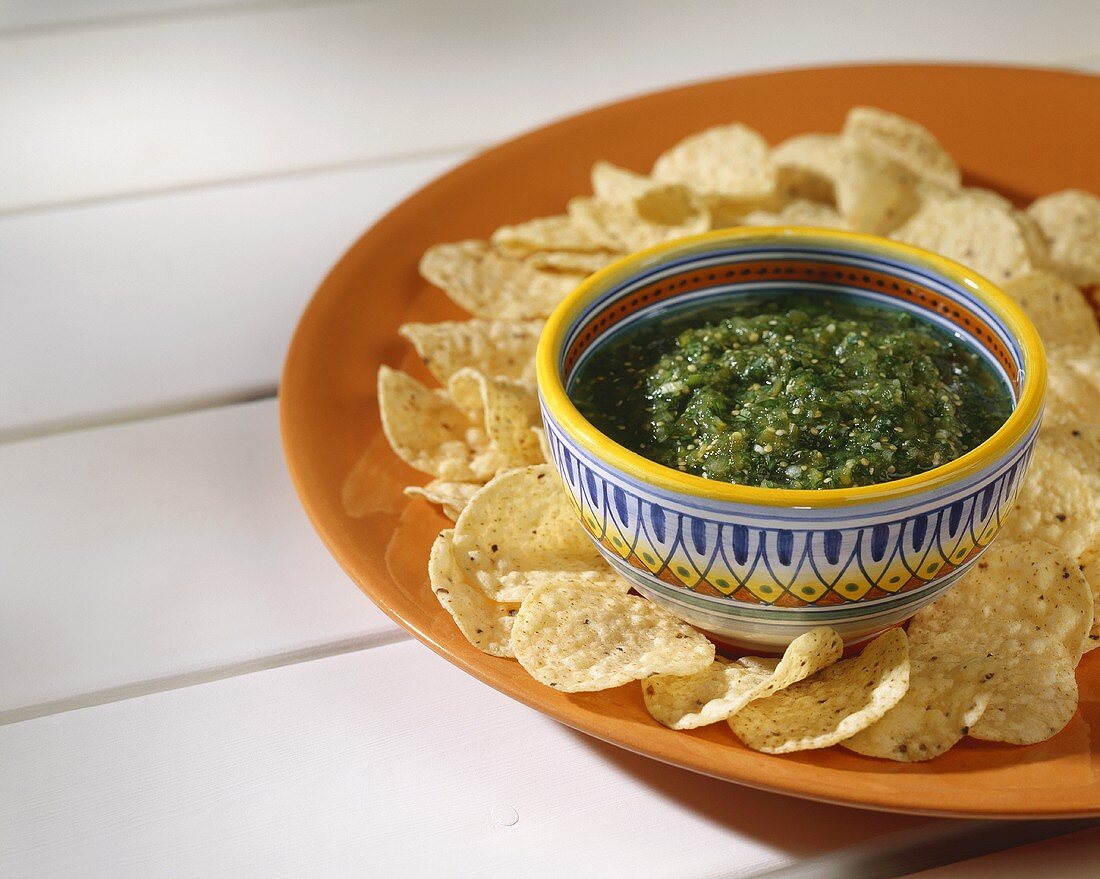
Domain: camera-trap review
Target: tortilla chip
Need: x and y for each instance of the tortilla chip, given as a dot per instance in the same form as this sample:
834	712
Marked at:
544	444
1070	222
1060	312
427	431
507	408
493	347
874	194
1073	386
612	183
544	233
493	285
568	261
728	162
579	637
944	700
486	624
831	706
1016	590
451	496
722	689
798	213
661	214
1058	503
903	141
808	166
972	231
520	531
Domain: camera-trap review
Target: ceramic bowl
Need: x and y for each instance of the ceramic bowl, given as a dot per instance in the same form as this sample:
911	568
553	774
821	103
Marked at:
756	567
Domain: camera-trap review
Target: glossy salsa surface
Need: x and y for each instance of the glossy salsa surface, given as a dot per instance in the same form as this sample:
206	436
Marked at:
794	391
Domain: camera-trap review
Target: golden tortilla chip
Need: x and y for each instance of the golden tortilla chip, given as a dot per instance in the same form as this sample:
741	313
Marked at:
722	689
493	285
874	194
972	231
798	213
487	624
901	140
451	496
568	261
1058	503
508	409
944	700
1070	222
727	162
831	706
1073	386
579	637
808	166
612	183
493	347
1016	590
544	444
520	531
661	214
1060	312
544	233
427	431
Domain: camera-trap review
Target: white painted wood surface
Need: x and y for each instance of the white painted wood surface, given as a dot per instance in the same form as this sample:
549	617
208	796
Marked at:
389	762
175	300
154	553
189	99
175	177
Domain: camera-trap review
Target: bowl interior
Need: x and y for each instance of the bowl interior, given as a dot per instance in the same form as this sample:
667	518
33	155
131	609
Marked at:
768	266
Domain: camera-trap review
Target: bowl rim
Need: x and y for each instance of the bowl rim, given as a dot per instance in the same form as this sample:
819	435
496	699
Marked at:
1027	411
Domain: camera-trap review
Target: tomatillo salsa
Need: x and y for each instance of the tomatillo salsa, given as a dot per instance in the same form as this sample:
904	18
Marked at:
792	392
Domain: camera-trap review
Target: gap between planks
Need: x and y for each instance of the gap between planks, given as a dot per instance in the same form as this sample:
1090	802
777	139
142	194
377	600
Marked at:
203	676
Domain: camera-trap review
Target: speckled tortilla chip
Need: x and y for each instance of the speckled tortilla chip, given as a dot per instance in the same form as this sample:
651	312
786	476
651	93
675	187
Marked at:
452	497
544	233
944	700
1016	590
612	183
544	444
508	409
723	688
902	140
1070	222
568	261
580	637
493	285
1060	312
661	214
487	624
1073	386
874	194
725	162
798	213
1034	693
808	166
519	531
831	706
972	231
493	347
430	433
1058	503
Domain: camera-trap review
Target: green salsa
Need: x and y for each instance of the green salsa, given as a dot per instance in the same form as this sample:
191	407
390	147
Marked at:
792	392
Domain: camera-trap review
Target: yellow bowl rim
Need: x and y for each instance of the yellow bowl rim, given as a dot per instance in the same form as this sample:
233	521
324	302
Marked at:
1016	426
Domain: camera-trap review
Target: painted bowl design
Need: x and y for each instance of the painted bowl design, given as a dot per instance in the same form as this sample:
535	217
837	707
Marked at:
756	567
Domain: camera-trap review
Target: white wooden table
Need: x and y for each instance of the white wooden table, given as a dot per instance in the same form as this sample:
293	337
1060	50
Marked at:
189	686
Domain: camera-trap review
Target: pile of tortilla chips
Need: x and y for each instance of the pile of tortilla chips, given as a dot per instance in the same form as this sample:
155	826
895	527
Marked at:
993	659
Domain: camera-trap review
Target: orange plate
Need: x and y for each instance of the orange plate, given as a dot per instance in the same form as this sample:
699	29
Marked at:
1022	132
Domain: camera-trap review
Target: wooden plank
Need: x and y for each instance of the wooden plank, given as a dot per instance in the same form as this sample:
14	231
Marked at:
187	100
149	555
174	300
381	763
26	15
